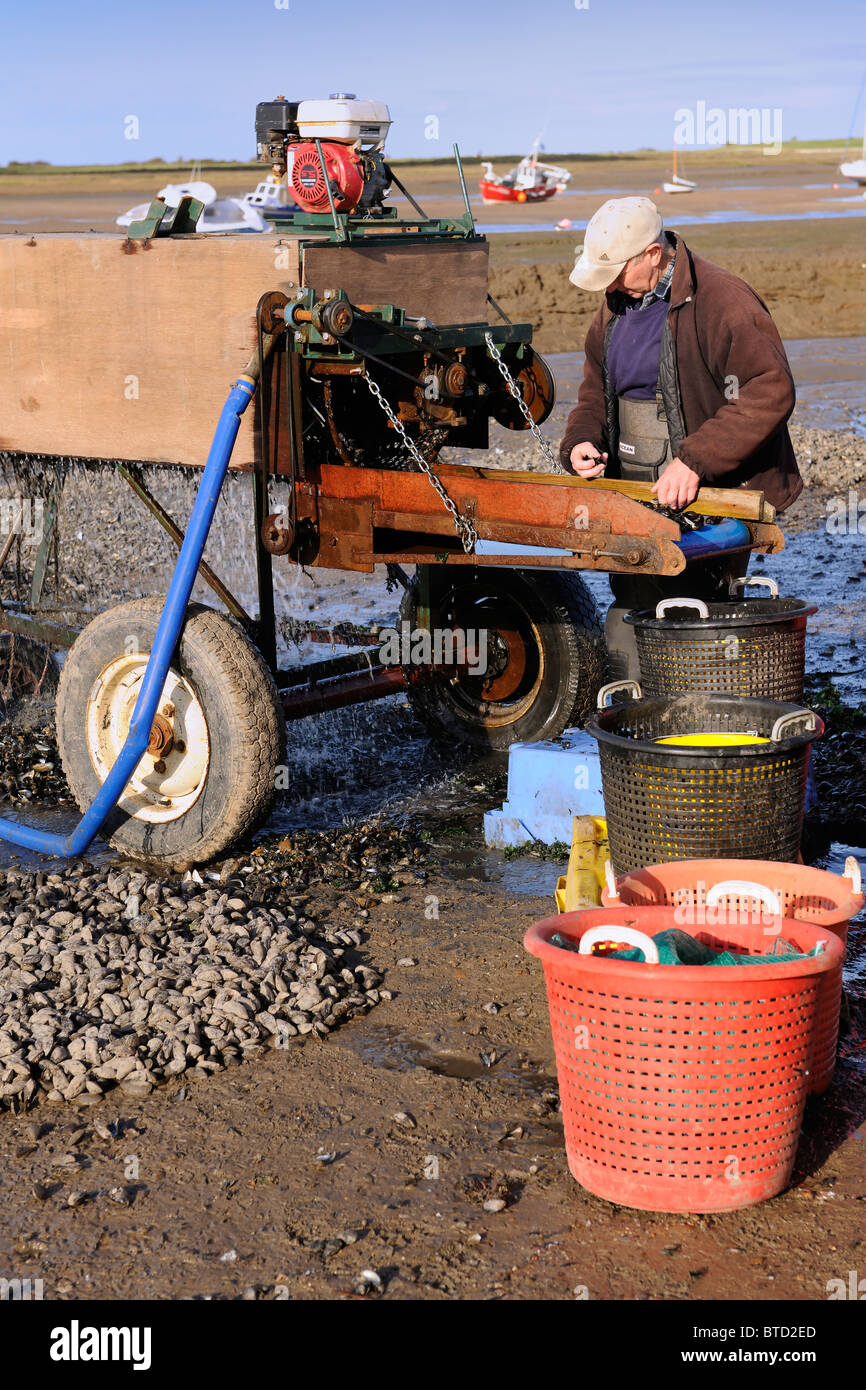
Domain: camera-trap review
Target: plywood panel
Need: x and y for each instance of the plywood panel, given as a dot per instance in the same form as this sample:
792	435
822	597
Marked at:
114	353
443	281
111	349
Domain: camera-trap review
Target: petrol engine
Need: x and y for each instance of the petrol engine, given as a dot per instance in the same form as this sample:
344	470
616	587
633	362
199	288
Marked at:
334	146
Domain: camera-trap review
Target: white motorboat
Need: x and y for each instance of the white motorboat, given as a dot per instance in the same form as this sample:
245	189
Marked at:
271	199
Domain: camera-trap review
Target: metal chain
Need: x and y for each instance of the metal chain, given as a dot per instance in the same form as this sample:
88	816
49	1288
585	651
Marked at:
462	525
547	452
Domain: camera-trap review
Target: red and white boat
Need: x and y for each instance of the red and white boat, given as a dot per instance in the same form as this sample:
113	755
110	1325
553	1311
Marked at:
531	182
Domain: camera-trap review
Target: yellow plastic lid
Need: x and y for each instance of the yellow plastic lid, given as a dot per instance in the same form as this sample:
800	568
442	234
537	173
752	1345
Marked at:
713	740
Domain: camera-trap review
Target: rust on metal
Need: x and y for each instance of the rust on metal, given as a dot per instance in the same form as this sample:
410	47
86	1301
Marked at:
277	534
504	683
51	633
161	739
353	689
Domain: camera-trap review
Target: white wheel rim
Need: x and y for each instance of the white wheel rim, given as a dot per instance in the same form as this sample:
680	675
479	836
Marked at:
150	795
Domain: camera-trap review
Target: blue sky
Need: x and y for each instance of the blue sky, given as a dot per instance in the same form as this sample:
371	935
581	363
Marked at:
495	73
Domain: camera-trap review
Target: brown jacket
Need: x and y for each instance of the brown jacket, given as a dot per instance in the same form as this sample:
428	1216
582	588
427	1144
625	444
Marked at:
726	383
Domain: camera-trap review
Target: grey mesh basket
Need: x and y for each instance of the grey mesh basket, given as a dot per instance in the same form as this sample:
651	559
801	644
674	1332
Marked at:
749	646
668	801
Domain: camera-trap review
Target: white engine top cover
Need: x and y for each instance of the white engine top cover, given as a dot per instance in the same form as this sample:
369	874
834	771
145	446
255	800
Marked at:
345	118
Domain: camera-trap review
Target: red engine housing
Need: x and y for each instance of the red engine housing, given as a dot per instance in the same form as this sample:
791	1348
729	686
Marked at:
307	182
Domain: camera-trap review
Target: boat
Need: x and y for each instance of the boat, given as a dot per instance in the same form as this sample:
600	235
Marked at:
532	181
856	168
219	214
677	184
271	199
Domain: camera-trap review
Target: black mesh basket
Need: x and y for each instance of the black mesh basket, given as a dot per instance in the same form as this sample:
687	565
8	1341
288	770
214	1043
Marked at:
750	646
668	801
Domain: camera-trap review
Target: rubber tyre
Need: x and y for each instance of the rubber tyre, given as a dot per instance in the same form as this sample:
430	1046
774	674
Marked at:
245	729
569	636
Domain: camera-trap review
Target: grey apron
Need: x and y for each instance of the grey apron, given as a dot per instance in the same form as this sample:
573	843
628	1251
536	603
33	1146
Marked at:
644	444
644	453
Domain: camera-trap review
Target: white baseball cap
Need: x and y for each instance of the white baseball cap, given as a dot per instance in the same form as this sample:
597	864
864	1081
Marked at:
622	228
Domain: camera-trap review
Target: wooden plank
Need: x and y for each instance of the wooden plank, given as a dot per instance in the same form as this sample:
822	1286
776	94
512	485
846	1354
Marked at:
116	349
711	501
445	282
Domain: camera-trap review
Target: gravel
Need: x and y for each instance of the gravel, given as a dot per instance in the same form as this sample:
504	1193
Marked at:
115	979
30	770
831	459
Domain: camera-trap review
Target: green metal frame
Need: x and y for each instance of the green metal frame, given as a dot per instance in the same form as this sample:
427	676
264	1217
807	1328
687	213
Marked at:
345	227
311	342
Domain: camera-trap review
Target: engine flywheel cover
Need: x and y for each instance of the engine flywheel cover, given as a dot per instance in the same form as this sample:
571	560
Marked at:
536	384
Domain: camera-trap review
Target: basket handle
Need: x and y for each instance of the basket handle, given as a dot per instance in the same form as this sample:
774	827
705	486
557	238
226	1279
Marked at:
615	933
610	882
696	603
745	888
601	698
784	720
754	579
852	871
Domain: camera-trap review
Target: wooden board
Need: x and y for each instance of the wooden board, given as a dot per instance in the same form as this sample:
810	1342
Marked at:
107	353
744	503
116	349
445	282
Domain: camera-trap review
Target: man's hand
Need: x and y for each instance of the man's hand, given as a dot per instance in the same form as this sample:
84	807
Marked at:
587	461
677	486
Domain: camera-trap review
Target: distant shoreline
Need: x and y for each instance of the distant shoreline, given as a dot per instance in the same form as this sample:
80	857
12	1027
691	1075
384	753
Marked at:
791	149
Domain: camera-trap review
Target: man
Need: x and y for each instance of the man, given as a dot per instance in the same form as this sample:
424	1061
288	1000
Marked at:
685	383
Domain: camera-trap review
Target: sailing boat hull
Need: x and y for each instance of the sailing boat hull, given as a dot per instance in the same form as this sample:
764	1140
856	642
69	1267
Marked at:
855	170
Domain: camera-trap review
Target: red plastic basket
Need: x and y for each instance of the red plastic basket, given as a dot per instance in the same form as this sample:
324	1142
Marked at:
682	1087
736	885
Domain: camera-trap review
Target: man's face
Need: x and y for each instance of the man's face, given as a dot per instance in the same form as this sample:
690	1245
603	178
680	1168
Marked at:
641	274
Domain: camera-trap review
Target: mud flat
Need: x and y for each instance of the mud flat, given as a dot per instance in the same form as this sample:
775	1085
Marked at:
421	1138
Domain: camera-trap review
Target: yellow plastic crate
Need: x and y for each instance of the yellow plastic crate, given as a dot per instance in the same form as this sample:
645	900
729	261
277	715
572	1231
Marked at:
582	884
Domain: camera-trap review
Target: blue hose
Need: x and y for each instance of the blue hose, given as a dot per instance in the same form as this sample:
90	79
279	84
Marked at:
164	643
708	541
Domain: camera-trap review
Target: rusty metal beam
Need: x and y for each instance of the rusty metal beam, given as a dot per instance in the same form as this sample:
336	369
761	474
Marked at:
52	634
656	557
353	689
316	671
497	497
